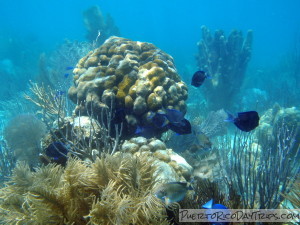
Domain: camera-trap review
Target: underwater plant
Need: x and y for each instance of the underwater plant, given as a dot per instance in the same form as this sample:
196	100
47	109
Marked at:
112	190
225	60
261	173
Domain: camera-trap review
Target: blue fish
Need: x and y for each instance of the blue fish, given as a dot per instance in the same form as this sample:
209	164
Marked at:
210	205
66	75
174	116
69	67
159	120
198	78
58	152
184	127
245	121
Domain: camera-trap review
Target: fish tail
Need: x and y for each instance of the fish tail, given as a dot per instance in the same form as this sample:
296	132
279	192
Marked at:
230	117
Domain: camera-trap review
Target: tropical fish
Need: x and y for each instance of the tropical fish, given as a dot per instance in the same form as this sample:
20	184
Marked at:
198	78
159	120
66	75
57	150
210	205
173	119
245	121
174	116
69	67
184	127
172	191
146	131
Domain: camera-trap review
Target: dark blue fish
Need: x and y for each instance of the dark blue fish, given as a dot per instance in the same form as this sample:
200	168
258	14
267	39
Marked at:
159	120
66	75
145	131
174	116
198	78
58	151
69	67
184	127
245	121
210	205
119	116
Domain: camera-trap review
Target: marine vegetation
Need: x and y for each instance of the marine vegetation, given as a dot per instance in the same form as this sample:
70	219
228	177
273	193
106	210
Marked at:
225	60
261	172
112	190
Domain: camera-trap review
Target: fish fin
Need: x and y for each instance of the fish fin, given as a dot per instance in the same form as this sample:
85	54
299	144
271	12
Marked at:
208	76
208	205
230	117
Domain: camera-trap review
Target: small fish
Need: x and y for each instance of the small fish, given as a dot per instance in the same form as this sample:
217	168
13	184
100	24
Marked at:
210	205
69	67
184	127
172	191
198	78
174	116
145	131
245	121
58	151
119	116
66	75
159	120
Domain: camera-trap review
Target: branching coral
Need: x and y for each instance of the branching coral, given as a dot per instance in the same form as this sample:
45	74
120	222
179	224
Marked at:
52	103
113	190
98	27
226	61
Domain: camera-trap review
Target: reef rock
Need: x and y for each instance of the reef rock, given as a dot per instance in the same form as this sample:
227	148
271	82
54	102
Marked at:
171	166
132	75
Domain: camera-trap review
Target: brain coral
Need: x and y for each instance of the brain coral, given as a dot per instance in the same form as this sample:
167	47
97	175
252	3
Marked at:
133	75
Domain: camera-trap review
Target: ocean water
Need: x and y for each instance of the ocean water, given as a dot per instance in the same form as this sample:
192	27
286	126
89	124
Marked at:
34	32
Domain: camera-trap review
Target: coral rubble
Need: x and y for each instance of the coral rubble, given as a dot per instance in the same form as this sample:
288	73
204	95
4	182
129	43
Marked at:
133	75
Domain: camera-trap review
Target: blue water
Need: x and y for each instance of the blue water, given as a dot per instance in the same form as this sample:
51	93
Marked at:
173	25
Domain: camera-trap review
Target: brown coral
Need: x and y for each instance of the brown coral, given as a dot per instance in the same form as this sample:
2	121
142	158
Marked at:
135	75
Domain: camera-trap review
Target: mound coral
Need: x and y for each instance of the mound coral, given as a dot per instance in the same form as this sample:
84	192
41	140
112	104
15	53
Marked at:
133	75
113	190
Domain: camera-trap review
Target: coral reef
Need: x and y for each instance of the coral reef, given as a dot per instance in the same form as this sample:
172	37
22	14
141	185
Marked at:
274	119
23	134
98	27
112	190
172	166
135	76
225	60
